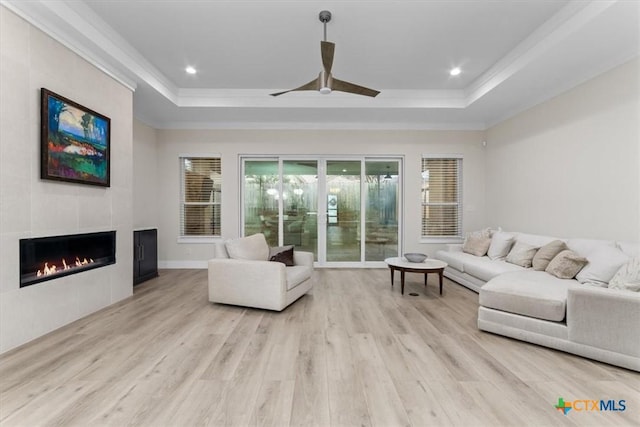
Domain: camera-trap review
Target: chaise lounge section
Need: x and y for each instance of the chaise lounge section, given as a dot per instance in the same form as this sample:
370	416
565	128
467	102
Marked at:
587	319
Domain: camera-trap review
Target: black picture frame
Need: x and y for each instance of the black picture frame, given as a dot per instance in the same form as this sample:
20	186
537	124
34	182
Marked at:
75	142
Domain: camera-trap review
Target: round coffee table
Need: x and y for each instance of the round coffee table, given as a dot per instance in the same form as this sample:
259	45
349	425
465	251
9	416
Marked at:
427	266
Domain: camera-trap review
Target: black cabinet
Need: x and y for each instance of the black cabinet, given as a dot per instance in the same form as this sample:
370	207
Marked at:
145	255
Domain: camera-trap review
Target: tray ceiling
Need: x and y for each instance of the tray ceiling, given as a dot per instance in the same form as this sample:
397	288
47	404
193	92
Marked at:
513	54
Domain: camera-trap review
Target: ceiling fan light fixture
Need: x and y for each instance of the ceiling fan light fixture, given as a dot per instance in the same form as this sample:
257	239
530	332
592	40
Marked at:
455	71
324	80
326	83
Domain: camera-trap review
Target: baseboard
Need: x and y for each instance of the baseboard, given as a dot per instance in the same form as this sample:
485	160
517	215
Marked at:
182	264
176	265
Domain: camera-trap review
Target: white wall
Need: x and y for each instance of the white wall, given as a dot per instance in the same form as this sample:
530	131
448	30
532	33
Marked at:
570	167
31	207
230	144
146	189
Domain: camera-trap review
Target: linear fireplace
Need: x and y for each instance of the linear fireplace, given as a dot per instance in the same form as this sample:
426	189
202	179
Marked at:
48	258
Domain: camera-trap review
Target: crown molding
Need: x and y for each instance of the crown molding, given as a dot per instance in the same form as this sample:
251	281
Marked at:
402	126
545	96
40	15
569	19
259	98
78	27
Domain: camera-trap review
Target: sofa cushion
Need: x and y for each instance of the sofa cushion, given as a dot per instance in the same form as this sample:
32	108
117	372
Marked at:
501	244
566	264
528	293
220	250
604	262
476	245
297	275
283	254
546	253
585	246
455	259
522	254
536	240
628	276
631	249
254	247
486	269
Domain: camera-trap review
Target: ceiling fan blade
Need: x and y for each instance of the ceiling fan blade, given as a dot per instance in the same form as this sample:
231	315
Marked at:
327	48
343	86
312	85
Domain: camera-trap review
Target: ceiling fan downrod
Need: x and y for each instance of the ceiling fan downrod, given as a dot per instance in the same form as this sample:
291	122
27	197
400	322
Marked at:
325	16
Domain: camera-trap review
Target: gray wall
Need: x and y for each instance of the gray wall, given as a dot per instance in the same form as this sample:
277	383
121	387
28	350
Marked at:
570	167
567	167
146	187
230	144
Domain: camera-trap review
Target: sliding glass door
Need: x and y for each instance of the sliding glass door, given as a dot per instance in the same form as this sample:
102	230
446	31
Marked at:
300	204
280	200
260	202
382	209
345	211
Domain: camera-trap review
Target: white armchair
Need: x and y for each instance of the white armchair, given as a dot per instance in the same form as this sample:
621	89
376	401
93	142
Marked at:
257	283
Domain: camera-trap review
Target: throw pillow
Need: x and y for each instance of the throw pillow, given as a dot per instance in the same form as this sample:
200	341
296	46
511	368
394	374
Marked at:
501	243
628	276
546	253
566	265
283	254
477	246
522	254
604	262
253	247
485	232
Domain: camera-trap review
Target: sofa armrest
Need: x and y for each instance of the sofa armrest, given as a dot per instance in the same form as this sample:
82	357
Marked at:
604	318
248	283
453	247
303	258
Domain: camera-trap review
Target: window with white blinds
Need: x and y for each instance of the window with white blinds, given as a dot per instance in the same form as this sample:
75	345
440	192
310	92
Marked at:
200	203
441	197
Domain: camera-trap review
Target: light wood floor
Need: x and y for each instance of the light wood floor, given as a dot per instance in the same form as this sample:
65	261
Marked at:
355	352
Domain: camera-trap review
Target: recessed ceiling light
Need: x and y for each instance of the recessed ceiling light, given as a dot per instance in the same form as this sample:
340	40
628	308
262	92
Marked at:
190	70
455	71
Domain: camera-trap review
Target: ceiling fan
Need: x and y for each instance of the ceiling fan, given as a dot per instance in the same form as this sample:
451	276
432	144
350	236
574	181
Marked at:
325	83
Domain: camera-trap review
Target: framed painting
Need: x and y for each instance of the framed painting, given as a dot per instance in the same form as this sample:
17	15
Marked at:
74	142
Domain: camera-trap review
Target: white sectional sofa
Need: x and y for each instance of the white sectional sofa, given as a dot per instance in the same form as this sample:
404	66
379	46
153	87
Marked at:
538	307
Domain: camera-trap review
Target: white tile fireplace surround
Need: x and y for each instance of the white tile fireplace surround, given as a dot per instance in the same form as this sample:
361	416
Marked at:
31	207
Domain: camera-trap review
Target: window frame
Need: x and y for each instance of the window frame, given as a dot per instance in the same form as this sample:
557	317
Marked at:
426	238
182	203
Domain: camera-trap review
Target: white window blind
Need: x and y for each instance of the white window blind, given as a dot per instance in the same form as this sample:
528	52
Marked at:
200	203
441	197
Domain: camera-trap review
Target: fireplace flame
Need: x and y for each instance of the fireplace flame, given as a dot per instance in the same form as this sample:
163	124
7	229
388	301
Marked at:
53	269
